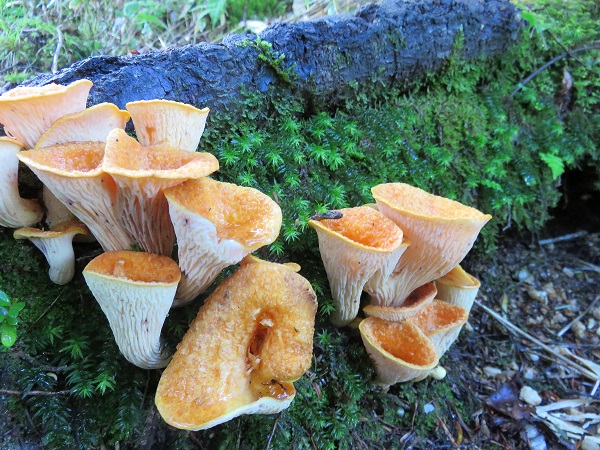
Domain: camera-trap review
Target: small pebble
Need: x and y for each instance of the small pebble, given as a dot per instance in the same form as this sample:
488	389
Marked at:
578	329
568	272
428	408
491	372
559	318
538	295
596	313
530	396
523	275
591	324
400	411
533	357
513	365
529	373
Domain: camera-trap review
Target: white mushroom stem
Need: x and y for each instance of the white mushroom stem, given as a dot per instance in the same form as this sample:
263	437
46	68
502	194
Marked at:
56	211
135	291
57	247
15	212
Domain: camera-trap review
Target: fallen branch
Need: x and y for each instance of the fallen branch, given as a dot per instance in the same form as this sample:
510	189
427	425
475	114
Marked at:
589	374
566	237
25	393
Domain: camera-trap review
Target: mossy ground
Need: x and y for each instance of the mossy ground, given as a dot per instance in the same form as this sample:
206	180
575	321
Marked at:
457	134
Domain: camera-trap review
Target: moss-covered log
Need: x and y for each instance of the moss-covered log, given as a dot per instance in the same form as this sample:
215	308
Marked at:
322	62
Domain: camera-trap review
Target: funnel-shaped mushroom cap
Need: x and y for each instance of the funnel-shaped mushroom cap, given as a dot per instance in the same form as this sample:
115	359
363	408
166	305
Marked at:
168	122
15	211
217	224
92	124
142	174
441	322
135	291
73	173
458	288
251	339
400	350
57	247
28	112
441	232
414	303
363	243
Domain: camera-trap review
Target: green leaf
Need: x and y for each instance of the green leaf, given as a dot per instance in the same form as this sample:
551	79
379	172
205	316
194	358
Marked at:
4	300
16	309
555	163
9	335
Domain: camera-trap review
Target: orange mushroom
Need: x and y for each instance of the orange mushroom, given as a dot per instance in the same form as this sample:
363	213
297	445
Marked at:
251	339
15	211
142	174
73	173
28	112
414	303
356	247
167	122
217	224
441	233
458	288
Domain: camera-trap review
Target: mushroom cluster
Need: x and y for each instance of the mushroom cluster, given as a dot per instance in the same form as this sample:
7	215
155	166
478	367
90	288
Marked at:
126	193
395	251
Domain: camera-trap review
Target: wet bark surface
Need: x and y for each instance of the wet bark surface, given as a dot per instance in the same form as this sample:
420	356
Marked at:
327	60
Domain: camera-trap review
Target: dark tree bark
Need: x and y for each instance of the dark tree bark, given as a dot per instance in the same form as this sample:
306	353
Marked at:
391	43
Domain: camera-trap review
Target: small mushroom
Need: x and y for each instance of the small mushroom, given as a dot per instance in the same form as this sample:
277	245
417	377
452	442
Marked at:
441	232
28	112
73	173
458	288
251	340
414	303
142	174
400	350
15	211
167	122
362	244
135	291
57	247
441	322
217	224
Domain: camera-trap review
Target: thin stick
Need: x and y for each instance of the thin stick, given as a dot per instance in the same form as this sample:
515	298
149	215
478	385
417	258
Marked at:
273	430
588	309
59	45
511	327
594	46
47	309
24	394
566	237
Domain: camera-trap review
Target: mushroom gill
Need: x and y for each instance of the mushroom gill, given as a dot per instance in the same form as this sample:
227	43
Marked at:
142	174
217	224
135	291
251	339
359	245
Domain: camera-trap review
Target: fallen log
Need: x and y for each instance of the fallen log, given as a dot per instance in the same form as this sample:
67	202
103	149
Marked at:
321	62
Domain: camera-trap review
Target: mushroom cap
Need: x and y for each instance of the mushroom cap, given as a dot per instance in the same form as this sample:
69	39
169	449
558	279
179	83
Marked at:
251	339
168	122
217	224
125	157
57	246
135	291
400	350
413	304
441	232
28	112
15	211
441	322
91	125
458	288
362	244
73	173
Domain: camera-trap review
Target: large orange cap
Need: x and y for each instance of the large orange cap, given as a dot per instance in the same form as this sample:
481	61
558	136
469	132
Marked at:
362	243
251	339
167	122
217	224
135	291
142	174
73	173
15	211
400	350
441	232
28	112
